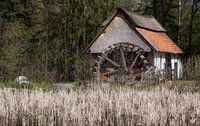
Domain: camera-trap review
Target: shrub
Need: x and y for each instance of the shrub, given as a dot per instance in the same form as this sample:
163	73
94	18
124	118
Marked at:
191	69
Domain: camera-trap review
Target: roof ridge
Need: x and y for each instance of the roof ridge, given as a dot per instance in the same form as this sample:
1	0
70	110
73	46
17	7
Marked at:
140	20
136	13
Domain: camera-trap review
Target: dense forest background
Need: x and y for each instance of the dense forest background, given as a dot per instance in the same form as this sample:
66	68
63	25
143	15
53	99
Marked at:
45	39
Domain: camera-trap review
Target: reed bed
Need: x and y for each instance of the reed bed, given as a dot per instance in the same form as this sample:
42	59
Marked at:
99	106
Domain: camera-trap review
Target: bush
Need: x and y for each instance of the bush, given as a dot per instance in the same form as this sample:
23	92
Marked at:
191	69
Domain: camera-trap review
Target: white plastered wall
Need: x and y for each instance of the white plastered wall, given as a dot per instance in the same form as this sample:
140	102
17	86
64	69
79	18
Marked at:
160	60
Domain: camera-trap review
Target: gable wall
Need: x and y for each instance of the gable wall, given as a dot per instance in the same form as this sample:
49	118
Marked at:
118	31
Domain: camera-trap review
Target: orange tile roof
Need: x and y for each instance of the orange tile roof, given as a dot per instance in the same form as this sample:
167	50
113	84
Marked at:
160	41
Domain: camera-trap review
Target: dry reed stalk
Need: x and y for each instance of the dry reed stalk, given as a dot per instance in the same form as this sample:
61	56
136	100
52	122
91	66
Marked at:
99	106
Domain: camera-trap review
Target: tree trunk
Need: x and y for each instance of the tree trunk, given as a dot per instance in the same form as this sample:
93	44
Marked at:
155	8
190	36
179	20
194	10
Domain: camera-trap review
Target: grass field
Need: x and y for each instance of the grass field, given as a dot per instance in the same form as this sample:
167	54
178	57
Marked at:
99	105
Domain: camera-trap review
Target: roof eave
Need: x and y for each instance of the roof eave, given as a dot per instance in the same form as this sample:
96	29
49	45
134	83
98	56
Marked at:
106	25
172	52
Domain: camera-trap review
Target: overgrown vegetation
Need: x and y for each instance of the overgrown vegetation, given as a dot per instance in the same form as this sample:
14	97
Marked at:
191	68
99	106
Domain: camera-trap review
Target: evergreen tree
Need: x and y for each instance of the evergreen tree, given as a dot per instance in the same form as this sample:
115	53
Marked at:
44	39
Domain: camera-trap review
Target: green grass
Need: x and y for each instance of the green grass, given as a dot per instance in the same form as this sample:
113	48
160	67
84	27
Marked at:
179	86
183	86
31	86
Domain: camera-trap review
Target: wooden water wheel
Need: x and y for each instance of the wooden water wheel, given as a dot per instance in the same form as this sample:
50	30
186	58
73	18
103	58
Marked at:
121	62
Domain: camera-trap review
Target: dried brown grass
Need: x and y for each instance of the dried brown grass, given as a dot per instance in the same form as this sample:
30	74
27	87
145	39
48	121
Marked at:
99	106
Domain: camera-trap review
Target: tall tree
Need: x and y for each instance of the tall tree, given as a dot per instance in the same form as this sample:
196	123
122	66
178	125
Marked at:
194	10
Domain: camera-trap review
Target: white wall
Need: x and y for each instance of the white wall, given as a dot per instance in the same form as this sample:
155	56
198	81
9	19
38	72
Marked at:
160	60
176	59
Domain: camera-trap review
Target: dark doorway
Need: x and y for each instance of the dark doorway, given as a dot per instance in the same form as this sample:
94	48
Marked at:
168	67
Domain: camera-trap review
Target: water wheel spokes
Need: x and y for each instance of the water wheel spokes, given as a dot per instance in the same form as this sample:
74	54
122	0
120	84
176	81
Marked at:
133	63
110	60
123	59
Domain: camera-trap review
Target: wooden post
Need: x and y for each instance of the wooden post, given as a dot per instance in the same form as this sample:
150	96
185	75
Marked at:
175	71
168	66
